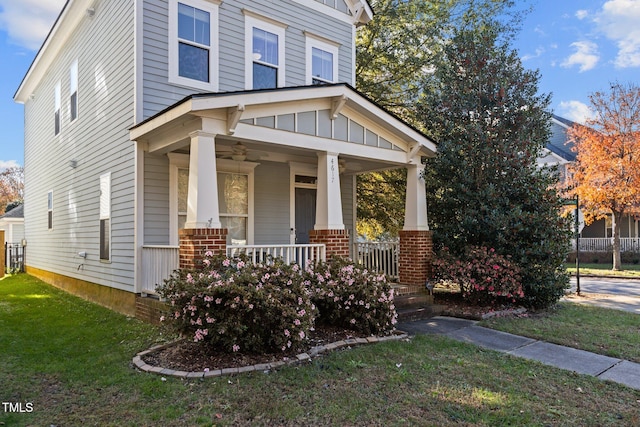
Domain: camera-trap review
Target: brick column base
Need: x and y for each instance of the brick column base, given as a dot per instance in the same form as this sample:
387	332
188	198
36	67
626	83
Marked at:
416	254
194	242
336	241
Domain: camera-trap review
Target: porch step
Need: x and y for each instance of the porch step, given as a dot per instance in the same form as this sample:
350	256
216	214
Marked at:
414	303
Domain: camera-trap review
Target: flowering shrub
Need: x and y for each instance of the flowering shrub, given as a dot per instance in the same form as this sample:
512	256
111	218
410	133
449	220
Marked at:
484	277
235	306
351	297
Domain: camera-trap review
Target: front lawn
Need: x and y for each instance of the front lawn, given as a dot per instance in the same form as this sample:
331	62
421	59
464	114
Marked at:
593	269
71	360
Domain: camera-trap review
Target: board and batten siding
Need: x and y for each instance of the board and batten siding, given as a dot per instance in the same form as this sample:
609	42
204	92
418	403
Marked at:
158	94
97	142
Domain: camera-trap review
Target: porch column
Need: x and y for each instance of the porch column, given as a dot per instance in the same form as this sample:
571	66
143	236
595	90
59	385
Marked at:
329	227
203	231
202	206
416	246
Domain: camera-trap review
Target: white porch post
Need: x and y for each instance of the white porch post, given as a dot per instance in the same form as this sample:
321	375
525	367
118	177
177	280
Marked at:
202	206
415	216
328	199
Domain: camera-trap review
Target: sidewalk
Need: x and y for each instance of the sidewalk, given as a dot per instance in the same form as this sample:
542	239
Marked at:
582	362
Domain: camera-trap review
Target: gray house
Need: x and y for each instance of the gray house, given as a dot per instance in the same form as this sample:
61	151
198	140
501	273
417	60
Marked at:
158	129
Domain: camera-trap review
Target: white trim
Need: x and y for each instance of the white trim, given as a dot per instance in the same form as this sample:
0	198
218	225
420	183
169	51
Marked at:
253	20
73	84
50	209
296	168
104	213
314	41
174	78
57	108
138	215
138	54
181	161
335	13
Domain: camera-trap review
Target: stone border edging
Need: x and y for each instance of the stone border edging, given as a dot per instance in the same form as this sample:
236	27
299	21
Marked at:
313	352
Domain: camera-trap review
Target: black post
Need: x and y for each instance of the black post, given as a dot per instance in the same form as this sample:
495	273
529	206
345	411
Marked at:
577	246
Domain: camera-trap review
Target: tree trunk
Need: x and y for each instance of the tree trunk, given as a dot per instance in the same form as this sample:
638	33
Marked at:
615	223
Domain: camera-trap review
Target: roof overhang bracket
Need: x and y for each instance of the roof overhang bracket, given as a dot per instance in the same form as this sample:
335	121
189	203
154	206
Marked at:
233	117
337	105
413	151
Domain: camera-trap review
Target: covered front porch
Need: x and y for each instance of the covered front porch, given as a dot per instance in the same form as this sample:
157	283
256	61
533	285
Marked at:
271	172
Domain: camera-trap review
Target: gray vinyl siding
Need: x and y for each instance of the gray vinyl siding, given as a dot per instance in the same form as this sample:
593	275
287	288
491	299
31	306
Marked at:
271	203
156	200
346	193
98	140
159	94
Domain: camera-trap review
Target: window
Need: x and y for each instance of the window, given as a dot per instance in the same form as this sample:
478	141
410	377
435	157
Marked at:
264	49
193	56
73	89
322	60
57	109
233	199
50	210
105	217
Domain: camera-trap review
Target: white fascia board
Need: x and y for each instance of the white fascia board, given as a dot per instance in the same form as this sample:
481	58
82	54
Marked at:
316	143
71	15
158	121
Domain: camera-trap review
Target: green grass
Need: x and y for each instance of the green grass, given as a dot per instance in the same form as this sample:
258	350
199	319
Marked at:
72	360
628	270
609	332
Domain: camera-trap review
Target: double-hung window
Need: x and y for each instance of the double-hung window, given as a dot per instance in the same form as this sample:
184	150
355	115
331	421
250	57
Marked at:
264	50
73	89
56	104
105	217
321	60
50	210
193	43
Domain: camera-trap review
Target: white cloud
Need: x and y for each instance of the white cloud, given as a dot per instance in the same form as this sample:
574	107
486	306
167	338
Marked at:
27	22
6	164
575	111
618	20
581	14
538	53
586	56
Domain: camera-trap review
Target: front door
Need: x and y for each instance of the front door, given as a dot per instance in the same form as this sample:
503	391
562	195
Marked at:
305	213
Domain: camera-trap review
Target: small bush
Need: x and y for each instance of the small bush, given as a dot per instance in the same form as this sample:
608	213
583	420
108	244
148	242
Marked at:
484	277
234	305
349	296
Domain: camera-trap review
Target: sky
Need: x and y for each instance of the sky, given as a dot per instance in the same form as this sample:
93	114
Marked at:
579	47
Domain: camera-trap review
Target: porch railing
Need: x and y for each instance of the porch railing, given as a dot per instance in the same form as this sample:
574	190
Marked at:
605	244
378	256
158	262
300	254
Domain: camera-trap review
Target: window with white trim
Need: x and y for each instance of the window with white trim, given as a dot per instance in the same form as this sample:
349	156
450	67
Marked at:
193	43
50	210
56	105
321	60
73	90
264	50
105	217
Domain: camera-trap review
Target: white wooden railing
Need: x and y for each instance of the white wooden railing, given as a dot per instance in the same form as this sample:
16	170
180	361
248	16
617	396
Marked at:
605	244
158	262
300	254
378	256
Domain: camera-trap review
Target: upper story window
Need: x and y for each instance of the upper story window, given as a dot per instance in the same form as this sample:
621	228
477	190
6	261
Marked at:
56	107
321	60
73	89
193	48
264	52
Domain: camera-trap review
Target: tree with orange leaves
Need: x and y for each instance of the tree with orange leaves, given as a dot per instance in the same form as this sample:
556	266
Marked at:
606	174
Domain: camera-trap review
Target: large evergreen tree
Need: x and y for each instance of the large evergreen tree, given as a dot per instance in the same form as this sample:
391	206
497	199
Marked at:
484	187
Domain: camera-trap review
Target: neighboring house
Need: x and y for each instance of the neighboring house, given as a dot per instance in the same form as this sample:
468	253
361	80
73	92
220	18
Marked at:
559	152
12	223
158	129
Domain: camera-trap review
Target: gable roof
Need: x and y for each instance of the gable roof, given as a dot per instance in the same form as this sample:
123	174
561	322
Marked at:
559	143
17	213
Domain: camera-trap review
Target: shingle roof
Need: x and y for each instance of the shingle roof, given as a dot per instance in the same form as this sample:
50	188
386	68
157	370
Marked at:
17	212
558	142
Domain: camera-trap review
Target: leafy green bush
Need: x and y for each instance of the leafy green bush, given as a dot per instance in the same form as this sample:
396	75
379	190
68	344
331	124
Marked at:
349	296
484	277
234	305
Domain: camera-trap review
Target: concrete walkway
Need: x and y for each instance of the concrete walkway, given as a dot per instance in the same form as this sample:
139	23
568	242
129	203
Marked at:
583	362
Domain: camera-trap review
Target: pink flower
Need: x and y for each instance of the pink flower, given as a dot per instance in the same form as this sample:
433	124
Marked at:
236	348
287	333
496	267
226	262
301	335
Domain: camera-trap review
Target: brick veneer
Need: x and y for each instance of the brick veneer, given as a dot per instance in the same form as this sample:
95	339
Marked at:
149	309
336	241
194	242
416	253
